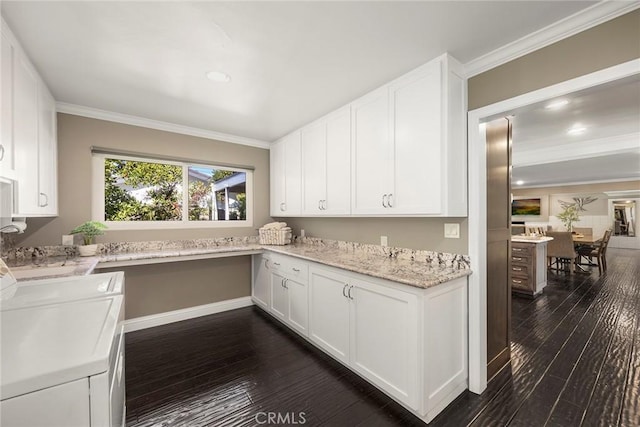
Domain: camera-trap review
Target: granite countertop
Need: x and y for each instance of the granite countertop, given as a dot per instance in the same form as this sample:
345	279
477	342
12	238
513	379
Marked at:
422	269
414	272
531	239
51	267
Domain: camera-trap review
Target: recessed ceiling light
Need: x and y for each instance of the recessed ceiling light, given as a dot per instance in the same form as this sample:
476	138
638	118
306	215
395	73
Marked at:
519	182
576	129
556	105
218	76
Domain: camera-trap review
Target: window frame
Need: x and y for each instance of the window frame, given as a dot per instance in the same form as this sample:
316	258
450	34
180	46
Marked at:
98	187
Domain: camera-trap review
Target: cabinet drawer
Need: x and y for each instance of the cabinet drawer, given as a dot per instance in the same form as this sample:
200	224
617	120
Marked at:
520	260
520	249
289	267
520	270
520	283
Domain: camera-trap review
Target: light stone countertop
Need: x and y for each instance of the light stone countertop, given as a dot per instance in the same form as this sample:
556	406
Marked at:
531	239
422	269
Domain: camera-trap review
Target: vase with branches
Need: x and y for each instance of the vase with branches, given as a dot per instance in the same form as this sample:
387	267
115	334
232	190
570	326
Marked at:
568	216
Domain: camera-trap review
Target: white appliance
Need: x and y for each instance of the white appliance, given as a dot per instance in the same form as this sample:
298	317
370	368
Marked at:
48	291
62	353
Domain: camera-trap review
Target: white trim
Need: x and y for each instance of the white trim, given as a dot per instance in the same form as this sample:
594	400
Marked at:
95	113
478	200
567	27
159	319
541	153
567	184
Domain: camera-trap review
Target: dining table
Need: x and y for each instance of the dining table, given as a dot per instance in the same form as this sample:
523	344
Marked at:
584	240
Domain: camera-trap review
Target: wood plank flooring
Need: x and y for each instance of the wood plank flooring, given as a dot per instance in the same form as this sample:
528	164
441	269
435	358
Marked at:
575	361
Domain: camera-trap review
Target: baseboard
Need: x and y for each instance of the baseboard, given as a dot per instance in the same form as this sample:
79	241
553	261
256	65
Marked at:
159	319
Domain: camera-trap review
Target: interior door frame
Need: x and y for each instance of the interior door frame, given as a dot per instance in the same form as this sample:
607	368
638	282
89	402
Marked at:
477	190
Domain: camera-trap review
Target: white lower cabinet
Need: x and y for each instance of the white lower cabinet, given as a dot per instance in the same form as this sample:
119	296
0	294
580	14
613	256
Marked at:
261	283
289	293
409	342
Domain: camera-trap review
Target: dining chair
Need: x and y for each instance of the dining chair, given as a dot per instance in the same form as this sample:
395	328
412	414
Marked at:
598	252
561	251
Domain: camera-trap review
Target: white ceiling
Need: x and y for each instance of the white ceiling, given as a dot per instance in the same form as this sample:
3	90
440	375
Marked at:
290	62
609	149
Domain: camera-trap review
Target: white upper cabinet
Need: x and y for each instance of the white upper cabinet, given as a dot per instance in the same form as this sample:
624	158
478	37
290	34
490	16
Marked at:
7	158
406	145
409	145
29	135
326	180
286	176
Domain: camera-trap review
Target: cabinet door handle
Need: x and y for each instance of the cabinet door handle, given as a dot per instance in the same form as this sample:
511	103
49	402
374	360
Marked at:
46	201
276	263
266	263
320	205
516	269
515	258
285	283
1	152
297	270
516	249
517	281
384	200
344	288
390	200
283	207
350	287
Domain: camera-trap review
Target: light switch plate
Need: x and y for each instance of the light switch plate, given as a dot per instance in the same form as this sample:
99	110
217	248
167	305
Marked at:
452	231
384	241
67	239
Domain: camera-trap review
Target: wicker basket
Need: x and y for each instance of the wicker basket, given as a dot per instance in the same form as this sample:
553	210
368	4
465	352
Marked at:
275	236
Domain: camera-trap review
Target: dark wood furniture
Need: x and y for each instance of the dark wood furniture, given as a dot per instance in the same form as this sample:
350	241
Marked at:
528	267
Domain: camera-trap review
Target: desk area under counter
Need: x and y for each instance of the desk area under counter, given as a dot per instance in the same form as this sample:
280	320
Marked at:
529	264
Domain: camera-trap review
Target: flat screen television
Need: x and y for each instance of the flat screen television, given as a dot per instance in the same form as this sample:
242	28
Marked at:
525	207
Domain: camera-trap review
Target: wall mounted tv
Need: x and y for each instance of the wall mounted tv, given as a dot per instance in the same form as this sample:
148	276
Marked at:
522	207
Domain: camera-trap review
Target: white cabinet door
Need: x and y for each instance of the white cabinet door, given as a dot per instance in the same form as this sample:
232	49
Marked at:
384	339
7	159
286	176
25	119
277	174
279	301
314	167
293	175
329	312
416	101
338	164
298	310
372	155
261	288
47	155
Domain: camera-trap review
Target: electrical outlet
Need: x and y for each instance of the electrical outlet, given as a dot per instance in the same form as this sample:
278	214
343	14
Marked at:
384	241
452	231
67	239
302	233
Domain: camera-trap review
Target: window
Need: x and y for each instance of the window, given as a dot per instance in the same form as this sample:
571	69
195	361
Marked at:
137	193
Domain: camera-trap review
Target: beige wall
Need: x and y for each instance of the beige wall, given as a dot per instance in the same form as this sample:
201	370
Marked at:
565	193
158	288
603	46
414	233
77	134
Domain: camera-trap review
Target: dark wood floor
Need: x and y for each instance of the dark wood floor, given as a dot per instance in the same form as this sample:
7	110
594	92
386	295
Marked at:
576	361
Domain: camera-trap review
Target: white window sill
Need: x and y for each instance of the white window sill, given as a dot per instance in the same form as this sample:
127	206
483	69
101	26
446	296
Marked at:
172	225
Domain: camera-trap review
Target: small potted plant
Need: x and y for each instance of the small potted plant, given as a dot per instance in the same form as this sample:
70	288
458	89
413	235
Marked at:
89	231
568	216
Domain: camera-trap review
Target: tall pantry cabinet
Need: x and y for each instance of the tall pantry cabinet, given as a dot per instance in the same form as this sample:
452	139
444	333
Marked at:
28	153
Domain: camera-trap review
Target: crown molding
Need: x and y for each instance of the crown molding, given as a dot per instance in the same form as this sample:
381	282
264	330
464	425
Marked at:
578	22
95	113
538	154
